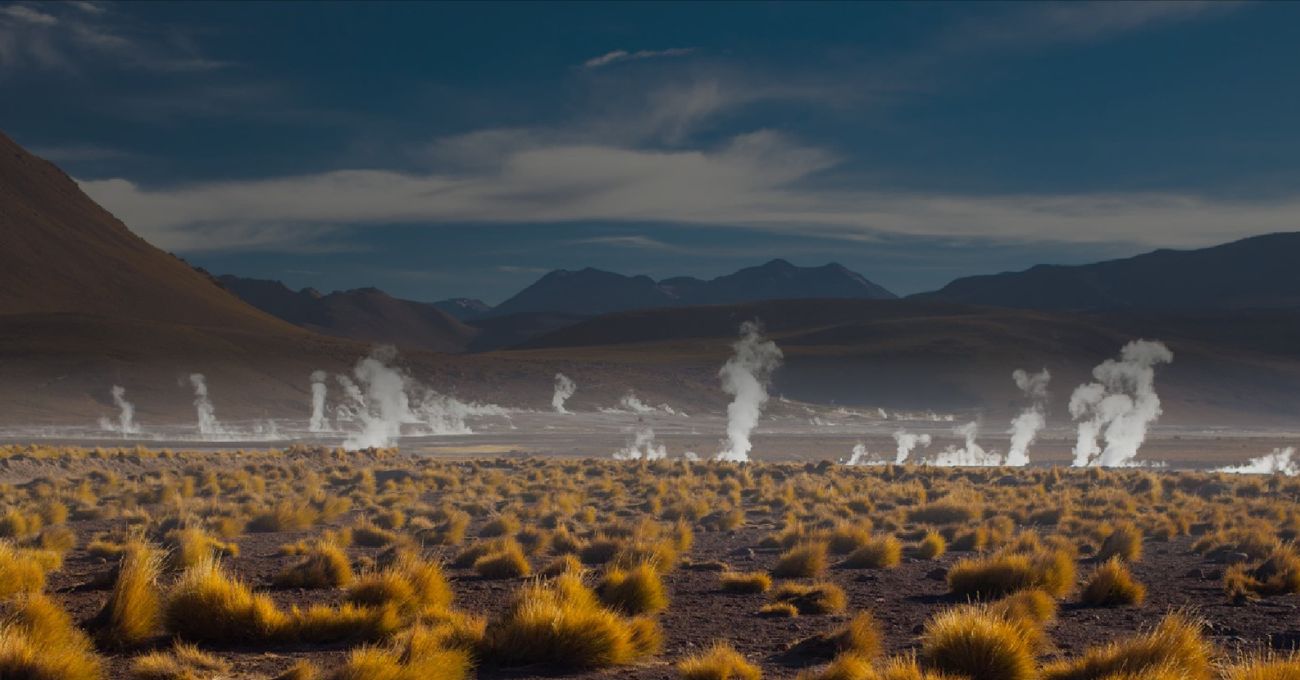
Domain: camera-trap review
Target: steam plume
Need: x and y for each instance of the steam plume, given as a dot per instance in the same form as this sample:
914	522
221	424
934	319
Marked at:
907	441
384	398
1278	462
745	376
564	388
1119	406
1025	427
642	447
971	454
208	425
318	422
125	414
861	457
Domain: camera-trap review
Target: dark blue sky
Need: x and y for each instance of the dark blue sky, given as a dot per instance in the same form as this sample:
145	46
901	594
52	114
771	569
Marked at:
438	150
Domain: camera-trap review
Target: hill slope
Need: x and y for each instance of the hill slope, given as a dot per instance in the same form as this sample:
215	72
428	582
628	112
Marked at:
1253	273
366	314
60	252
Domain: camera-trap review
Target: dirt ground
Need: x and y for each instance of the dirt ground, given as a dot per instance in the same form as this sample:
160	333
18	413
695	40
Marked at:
901	599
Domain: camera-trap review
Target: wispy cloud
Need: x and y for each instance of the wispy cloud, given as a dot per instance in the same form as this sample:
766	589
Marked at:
617	56
753	181
29	15
632	241
77	36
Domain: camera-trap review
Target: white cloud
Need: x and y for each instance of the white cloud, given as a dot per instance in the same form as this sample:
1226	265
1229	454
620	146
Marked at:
759	181
624	55
29	15
82	35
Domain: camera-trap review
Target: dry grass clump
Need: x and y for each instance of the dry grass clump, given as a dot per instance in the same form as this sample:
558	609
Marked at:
969	643
564	564
192	545
721	661
507	562
420	654
207	605
1124	540
816	598
843	667
324	565
802	561
20	571
302	670
562	623
1278	574
134	611
745	582
1112	584
878	553
846	537
932	546
1266	668
181	662
371	535
321	623
39	641
1175	645
860	638
1007	573
947	511
634	591
411	584
778	610
285	516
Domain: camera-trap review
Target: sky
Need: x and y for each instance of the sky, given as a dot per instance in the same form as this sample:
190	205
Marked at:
440	150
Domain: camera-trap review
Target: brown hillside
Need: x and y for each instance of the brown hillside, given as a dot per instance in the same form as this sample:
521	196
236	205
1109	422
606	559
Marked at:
60	252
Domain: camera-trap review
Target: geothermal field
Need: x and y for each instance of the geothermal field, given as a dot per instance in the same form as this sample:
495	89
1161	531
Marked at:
402	533
649	341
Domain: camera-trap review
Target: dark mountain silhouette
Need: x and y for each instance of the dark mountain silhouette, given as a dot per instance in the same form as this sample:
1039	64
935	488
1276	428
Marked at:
592	291
1253	273
366	314
464	308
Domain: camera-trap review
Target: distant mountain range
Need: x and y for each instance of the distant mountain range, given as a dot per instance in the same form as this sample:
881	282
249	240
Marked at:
556	300
1262	272
592	291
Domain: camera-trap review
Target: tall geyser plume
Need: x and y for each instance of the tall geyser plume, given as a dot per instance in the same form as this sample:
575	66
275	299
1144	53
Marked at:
1025	427
383	405
1281	461
907	441
208	425
125	414
642	447
745	376
1119	406
318	421
564	388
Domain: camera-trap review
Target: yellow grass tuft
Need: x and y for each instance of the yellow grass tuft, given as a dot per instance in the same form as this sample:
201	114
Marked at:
968	643
1004	574
802	561
1175	645
206	605
508	562
816	598
1112	584
133	613
719	662
324	565
634	591
561	623
182	662
1124	541
745	582
39	641
20	572
878	553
